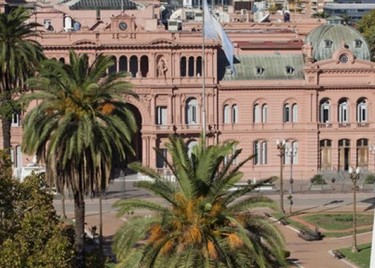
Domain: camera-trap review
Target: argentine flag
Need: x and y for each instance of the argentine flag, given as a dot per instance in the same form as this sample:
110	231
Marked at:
213	30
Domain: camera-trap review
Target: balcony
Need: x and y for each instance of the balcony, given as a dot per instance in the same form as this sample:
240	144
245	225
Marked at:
341	125
325	125
363	124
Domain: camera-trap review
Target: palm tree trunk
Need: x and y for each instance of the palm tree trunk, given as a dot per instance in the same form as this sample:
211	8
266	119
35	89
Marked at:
79	214
6	128
63	205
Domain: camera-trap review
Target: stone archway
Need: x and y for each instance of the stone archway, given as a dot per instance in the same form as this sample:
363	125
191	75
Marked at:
137	138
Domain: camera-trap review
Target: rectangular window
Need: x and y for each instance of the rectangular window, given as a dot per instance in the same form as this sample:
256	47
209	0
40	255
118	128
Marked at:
160	158
260	153
161	115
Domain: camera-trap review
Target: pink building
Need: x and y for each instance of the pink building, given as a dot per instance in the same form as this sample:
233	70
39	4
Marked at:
309	84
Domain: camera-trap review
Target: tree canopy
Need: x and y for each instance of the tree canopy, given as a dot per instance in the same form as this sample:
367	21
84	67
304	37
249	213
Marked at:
20	54
366	26
31	234
80	128
200	221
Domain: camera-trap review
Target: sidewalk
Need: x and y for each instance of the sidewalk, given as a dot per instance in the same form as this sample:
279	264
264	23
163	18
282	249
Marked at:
316	254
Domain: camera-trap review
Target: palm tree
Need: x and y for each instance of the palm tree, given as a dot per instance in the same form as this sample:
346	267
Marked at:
80	128
19	56
200	222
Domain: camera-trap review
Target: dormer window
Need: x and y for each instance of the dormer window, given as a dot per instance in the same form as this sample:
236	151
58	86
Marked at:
358	43
259	70
328	43
289	70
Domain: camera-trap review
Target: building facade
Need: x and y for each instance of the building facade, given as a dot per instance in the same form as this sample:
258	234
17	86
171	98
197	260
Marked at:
309	84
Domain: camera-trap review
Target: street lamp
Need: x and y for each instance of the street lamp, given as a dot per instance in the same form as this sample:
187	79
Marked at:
281	149
291	152
354	176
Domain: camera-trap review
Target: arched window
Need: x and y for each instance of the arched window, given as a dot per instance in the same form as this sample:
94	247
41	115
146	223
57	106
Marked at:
230	114
286	113
226	114
144	66
362	110
295	112
256	113
191	111
325	111
191	66
191	144
183	67
229	156
113	68
123	64
16	119
264	113
199	67
290	112
133	66
343	112
234	113
260	152
62	60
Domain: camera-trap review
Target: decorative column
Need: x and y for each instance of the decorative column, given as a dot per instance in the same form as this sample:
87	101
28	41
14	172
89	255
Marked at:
152	145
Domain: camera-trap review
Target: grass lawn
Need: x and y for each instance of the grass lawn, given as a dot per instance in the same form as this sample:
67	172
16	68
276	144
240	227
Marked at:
361	258
338	221
333	224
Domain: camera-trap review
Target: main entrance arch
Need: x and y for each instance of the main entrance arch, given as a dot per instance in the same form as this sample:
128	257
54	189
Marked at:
137	138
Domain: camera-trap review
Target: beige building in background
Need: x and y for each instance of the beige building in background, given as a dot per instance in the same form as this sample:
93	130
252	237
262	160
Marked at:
309	84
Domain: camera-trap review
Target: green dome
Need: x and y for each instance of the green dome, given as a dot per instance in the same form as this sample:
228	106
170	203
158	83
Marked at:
328	38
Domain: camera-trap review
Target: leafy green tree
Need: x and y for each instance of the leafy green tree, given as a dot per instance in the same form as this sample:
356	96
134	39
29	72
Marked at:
366	26
30	233
80	128
321	15
19	56
200	221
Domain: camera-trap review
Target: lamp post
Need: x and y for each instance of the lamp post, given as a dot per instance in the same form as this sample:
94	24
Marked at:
372	256
281	149
291	152
354	176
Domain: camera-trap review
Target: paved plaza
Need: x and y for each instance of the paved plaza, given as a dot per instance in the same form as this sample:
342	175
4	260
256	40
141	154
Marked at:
314	254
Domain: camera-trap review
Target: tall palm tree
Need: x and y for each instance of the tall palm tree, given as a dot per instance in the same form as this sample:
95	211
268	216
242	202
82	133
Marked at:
19	57
200	221
80	128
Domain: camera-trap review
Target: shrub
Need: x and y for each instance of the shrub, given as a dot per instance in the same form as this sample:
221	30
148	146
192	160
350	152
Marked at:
370	179
318	180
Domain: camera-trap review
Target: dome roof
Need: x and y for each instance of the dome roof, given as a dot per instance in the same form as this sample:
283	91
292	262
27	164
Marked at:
328	38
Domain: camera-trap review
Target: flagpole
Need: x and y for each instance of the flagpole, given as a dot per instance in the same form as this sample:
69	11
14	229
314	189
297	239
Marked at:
204	79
